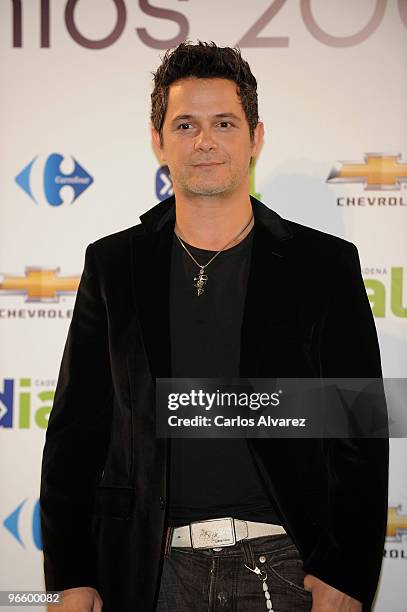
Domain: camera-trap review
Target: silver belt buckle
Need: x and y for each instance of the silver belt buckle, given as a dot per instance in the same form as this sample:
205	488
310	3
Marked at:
213	533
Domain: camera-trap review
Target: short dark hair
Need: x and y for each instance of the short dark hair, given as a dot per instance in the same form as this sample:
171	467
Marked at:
204	60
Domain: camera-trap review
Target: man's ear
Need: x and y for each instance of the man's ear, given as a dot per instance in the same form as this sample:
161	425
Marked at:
155	137
258	137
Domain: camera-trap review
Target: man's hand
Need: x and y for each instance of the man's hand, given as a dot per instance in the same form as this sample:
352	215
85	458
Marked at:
81	599
325	598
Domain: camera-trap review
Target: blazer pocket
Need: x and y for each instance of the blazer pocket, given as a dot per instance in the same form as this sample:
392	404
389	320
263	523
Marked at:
115	502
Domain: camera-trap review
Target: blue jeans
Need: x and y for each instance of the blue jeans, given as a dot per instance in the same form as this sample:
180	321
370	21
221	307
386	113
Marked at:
207	580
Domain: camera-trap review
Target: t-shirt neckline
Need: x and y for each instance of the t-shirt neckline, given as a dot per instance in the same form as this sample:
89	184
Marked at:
237	247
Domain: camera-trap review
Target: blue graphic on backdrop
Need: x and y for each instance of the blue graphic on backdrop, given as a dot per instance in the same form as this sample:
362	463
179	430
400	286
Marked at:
6	403
13	520
23	179
163	183
54	179
25	404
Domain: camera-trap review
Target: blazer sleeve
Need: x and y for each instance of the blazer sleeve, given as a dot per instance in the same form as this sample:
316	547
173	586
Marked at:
76	441
350	551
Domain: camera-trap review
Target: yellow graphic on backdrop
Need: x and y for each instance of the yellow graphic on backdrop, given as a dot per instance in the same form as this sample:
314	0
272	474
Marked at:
396	523
39	285
380	171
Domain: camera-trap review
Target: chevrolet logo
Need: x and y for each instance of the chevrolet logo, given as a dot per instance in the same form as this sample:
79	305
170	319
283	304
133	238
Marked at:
39	285
396	523
379	172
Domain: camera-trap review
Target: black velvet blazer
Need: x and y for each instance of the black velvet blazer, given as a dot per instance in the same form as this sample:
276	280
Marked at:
104	473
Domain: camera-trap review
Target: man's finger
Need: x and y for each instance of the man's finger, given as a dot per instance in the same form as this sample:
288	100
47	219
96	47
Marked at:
97	605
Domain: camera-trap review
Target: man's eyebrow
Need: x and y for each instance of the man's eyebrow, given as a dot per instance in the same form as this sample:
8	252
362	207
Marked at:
187	117
231	115
182	117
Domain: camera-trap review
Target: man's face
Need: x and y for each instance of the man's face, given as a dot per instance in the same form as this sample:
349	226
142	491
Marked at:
206	138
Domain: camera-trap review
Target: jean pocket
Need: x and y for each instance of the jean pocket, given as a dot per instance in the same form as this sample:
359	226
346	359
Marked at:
287	571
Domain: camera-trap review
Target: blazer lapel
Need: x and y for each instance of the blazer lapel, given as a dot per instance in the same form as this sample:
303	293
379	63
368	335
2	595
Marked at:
151	264
268	287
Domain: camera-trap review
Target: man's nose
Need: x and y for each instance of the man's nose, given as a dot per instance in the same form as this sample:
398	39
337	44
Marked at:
204	140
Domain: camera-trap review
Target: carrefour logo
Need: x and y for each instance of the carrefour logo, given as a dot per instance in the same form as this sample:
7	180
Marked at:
25	403
15	523
45	181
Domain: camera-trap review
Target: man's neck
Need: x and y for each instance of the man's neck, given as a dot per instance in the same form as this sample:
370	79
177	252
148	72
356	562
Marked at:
211	222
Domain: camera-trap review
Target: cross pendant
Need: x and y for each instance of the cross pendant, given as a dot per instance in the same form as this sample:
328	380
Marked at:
200	281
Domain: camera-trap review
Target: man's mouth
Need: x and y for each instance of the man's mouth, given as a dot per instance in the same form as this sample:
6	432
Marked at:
204	164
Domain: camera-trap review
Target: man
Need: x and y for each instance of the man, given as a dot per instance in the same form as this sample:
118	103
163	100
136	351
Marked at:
212	283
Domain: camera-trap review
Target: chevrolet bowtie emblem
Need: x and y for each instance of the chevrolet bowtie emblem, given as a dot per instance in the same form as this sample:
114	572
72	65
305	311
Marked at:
39	285
379	172
396	523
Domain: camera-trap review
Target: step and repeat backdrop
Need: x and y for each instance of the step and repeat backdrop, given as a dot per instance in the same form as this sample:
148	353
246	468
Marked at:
76	163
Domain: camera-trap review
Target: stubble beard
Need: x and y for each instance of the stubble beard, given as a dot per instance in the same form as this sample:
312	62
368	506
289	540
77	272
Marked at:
207	188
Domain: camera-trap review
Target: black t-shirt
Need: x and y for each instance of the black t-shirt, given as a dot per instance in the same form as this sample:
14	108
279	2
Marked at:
211	478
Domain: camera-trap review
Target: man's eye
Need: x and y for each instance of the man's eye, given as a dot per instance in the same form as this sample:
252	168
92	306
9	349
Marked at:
184	126
225	124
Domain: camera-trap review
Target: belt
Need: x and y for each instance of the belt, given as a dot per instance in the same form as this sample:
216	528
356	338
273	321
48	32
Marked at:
220	532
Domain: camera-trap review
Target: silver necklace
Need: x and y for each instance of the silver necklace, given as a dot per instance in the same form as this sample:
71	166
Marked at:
202	278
